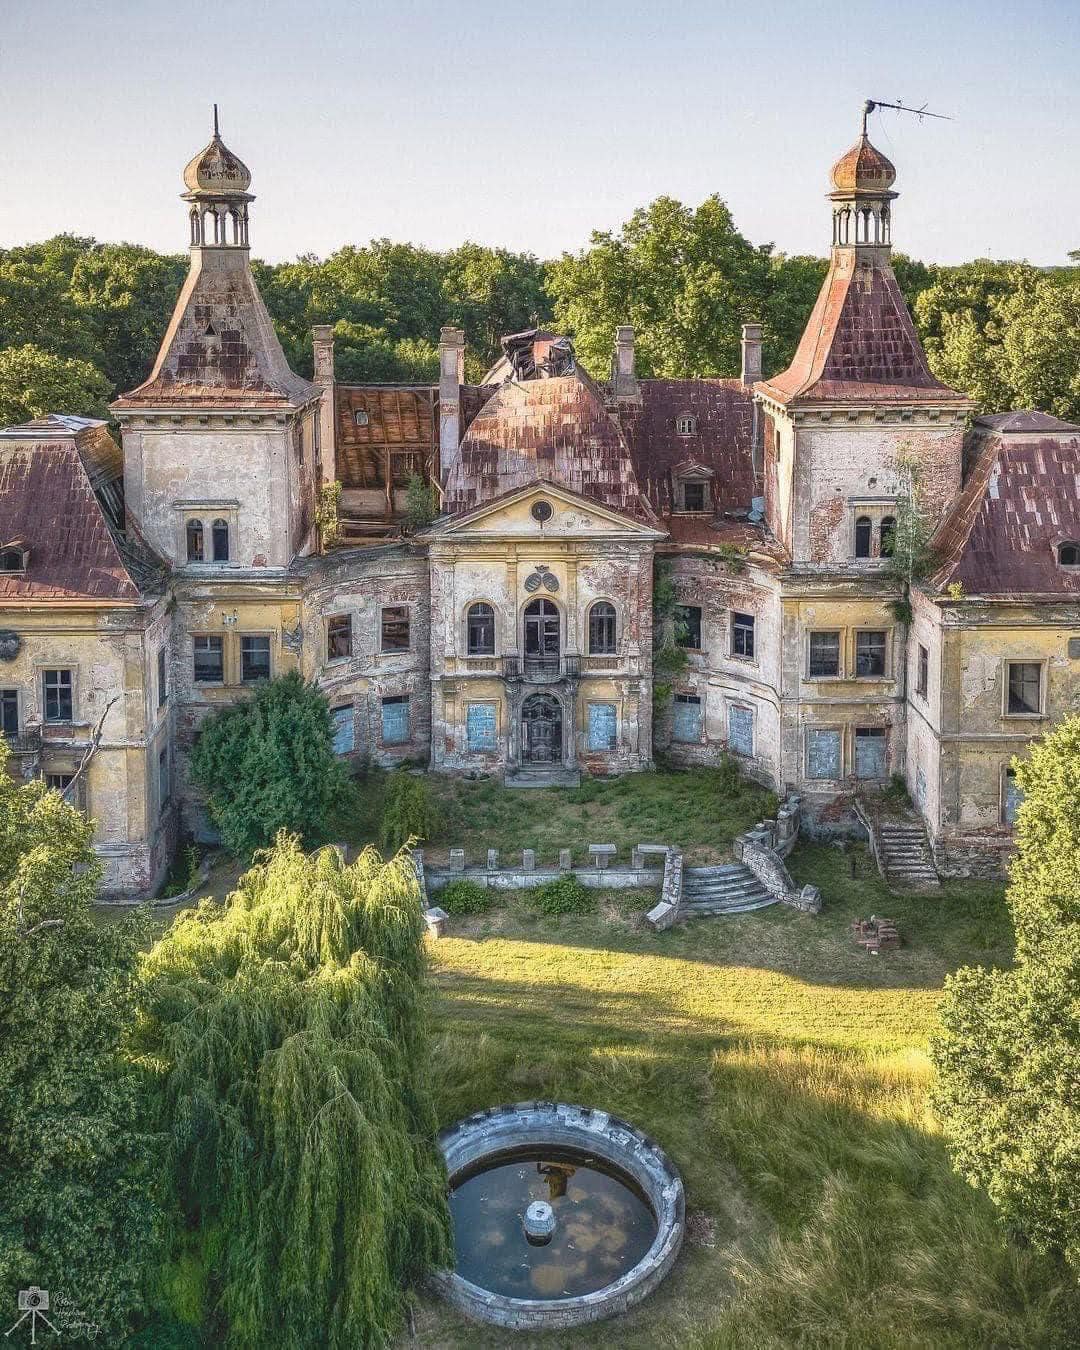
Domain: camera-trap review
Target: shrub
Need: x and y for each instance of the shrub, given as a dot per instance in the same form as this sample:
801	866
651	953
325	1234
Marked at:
465	897
564	895
268	764
409	811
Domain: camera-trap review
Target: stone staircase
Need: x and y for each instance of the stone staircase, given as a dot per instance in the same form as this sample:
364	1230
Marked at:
906	859
727	889
542	777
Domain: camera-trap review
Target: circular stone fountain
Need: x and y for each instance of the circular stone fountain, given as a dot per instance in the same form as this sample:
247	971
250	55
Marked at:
562	1215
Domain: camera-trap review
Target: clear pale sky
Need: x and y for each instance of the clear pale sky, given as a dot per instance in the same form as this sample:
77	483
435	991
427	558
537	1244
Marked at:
531	124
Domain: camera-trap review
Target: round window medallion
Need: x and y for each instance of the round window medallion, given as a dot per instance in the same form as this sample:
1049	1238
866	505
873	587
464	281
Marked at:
542	511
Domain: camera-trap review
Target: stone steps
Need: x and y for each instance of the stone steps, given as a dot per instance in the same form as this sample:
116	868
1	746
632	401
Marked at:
543	778
728	888
906	856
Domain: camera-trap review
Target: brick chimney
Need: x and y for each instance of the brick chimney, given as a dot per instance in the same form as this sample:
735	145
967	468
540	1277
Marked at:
322	341
624	383
751	353
451	378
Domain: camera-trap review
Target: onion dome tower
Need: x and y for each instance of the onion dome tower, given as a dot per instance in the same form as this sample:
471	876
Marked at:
217	183
862	181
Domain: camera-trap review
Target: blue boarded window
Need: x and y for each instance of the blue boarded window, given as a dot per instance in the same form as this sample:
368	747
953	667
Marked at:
603	726
480	726
395	720
822	754
687	725
1013	797
741	730
344	730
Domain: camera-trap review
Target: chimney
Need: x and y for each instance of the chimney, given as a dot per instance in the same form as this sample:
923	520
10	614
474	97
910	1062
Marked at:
624	383
322	341
751	353
451	378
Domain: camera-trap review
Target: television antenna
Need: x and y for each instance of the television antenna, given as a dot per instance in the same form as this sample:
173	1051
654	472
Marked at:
899	106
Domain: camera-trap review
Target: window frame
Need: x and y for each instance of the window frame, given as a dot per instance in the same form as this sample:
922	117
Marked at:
218	638
395	650
865	524
688	698
6	704
875	734
338	723
700	623
686	424
922	671
60	690
1060	548
864	633
838	673
395	700
346	617
162	676
479	620
1007	775
194	531
744	623
594	618
220	524
684	485
257	637
1040	665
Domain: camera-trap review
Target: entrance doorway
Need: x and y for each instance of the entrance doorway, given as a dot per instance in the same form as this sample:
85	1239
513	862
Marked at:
541	730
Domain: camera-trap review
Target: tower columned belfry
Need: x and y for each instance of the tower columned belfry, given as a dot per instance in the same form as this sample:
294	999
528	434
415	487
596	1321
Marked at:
217	184
862	196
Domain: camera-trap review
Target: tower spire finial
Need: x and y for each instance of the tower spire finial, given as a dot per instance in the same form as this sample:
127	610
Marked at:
217	133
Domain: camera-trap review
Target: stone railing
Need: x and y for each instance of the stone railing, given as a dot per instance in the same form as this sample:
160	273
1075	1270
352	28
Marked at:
763	849
603	869
669	910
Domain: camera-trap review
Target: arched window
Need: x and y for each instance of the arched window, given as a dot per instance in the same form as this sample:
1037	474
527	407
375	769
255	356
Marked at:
888	535
13	560
480	622
602	629
195	541
863	532
220	533
686	424
1069	555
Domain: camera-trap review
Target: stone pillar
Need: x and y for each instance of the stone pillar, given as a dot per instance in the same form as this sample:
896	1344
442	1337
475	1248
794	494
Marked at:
623	376
565	861
322	341
751	353
457	860
451	378
528	860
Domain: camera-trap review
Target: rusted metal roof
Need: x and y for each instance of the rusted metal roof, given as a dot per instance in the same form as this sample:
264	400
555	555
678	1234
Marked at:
860	344
47	502
863	169
723	415
1020	501
554	429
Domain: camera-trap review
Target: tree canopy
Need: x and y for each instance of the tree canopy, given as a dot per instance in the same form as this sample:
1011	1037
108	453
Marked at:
291	1031
1008	1055
79	1163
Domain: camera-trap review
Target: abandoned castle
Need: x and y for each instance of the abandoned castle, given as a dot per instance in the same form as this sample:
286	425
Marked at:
514	635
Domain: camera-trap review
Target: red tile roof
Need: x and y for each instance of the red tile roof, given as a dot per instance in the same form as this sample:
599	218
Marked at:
47	502
1021	499
859	344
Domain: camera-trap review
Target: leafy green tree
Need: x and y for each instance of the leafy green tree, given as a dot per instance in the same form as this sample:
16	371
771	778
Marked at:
268	764
420	499
34	382
490	292
409	812
78	1161
291	1031
1008	1053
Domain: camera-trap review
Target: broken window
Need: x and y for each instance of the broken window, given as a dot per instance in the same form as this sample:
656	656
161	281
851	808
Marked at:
395	628
481	630
694	497
603	726
338	637
344	724
195	541
864	531
9	712
824	655
58	688
742	634
602	629
1069	555
922	672
740	730
64	783
688	626
888	535
209	660
1025	688
870	752
480	726
13	559
870	652
395	720
254	658
687	719
822	752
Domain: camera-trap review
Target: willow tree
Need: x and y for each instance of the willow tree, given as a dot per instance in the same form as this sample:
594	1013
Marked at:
291	1035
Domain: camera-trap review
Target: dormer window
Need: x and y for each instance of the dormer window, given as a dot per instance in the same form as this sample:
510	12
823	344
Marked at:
360	417
1068	555
694	496
686	424
14	558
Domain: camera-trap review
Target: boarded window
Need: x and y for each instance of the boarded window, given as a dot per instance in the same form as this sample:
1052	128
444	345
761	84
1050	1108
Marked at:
344	722
209	659
870	653
58	686
822	753
688	626
395	628
9	712
338	637
687	722
1011	798
1025	687
254	659
742	634
481	626
740	730
480	726
395	721
922	674
603	726
870	746
824	654
602	629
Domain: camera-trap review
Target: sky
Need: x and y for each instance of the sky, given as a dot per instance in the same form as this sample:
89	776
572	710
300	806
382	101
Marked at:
531	125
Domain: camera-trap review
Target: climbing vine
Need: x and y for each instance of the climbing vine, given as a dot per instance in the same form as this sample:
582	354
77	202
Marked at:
912	559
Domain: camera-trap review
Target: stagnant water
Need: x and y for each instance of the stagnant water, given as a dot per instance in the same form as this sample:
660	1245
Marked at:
603	1224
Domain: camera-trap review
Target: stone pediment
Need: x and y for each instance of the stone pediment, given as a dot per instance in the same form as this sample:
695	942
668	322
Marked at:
542	510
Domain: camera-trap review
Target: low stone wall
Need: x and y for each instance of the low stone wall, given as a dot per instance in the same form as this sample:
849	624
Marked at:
978	857
669	910
604	871
763	849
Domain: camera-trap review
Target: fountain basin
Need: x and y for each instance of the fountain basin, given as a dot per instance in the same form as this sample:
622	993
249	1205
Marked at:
613	1199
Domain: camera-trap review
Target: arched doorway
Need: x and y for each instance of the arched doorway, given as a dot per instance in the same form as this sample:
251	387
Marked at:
541	730
542	632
